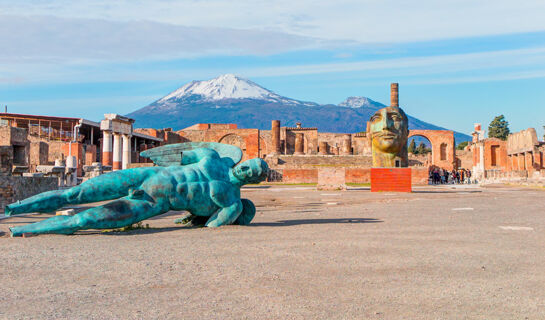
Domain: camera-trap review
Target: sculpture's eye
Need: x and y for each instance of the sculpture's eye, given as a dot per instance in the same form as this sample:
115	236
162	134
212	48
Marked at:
396	117
375	117
244	168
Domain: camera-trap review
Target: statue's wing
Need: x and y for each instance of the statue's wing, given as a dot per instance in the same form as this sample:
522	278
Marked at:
171	154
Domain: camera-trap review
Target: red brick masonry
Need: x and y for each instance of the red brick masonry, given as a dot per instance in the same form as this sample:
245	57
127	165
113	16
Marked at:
391	179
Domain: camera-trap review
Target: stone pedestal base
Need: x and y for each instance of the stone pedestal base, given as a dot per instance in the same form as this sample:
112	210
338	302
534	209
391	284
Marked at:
391	179
332	179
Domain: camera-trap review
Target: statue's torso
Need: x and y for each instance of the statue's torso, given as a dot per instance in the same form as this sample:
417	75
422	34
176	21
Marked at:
190	187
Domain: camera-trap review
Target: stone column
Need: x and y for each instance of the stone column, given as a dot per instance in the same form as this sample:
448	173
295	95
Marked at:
126	151
117	152
275	136
299	144
529	160
520	157
347	145
323	148
106	148
394	95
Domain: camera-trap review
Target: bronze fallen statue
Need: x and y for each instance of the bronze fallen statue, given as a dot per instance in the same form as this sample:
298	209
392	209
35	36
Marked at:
200	178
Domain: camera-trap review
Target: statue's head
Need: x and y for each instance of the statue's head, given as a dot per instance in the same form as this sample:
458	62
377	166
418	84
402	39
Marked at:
389	130
251	171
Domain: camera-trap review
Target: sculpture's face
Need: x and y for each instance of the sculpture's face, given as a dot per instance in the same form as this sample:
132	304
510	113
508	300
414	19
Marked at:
389	130
251	171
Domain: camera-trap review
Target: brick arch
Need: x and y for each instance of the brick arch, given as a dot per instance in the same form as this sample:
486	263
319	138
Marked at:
439	139
233	139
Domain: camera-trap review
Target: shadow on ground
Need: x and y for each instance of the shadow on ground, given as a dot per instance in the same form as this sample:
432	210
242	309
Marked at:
284	223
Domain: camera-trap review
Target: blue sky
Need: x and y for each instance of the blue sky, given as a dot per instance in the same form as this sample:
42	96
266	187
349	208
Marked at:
457	62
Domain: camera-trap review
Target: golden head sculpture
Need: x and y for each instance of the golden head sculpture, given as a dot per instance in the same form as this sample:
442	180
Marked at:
389	130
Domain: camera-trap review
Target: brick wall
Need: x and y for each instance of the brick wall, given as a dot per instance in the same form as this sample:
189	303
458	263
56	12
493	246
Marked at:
18	188
419	176
90	154
358	175
39	152
6	160
289	161
77	151
300	176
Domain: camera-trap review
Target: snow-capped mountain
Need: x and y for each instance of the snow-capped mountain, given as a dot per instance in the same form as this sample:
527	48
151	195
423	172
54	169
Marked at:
227	86
358	102
232	99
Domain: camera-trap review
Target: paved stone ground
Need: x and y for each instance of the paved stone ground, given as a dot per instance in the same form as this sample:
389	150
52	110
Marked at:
438	253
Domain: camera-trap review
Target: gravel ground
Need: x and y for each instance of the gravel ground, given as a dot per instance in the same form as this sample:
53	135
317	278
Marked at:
438	253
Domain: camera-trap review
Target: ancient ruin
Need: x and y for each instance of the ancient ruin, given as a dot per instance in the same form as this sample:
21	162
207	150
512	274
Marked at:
519	159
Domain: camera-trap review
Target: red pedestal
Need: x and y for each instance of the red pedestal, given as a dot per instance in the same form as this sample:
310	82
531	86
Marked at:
391	179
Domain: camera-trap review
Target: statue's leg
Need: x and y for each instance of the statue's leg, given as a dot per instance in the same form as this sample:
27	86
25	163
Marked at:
115	214
104	187
247	214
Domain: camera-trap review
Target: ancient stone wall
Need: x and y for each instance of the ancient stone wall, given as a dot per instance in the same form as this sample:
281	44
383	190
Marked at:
168	136
299	175
249	141
464	159
39	152
332	178
284	161
55	148
75	149
310	139
353	175
6	160
90	154
495	154
334	140
18	188
17	139
522	141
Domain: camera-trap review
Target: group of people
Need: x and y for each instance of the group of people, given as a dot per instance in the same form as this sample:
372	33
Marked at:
440	176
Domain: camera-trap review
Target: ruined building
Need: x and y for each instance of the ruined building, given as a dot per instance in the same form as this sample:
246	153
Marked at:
519	159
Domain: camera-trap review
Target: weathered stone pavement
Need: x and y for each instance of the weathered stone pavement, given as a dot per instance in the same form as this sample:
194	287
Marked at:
438	253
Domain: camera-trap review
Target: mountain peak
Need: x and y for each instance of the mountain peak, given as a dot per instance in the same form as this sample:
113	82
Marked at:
358	102
226	86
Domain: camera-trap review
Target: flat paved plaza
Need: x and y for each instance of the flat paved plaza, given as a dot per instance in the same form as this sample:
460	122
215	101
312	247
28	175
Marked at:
438	253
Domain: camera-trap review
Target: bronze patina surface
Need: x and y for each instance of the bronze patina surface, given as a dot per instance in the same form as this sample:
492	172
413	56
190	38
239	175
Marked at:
200	178
389	132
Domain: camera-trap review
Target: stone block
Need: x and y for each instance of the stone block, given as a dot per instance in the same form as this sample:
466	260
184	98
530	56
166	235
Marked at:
332	178
67	212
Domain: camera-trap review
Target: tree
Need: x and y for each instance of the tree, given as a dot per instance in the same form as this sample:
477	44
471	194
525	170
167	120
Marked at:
422	148
462	145
498	128
412	147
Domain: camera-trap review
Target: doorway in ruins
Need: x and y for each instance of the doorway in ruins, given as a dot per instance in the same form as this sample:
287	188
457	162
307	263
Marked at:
19	155
420	151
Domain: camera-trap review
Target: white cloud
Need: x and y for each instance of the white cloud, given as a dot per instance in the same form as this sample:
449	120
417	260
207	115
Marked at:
417	65
52	39
366	21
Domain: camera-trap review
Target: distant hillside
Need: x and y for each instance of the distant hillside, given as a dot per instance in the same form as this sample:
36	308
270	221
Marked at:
230	99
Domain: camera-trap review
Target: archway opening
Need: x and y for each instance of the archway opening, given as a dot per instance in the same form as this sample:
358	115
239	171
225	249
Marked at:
420	151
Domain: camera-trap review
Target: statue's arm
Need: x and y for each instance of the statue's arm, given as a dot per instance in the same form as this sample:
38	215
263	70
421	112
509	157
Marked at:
225	216
225	197
196	155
